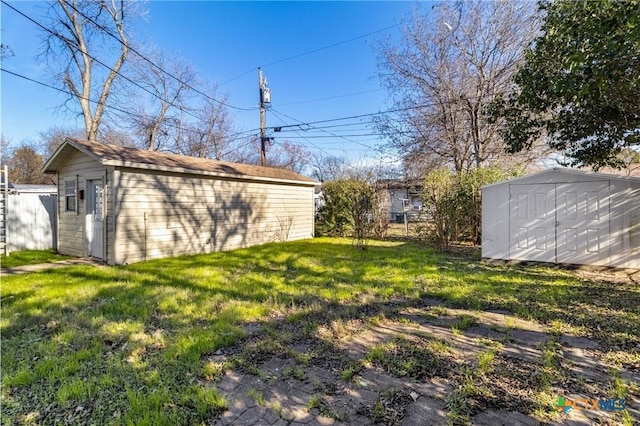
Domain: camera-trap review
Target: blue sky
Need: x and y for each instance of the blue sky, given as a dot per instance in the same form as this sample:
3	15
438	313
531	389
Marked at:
226	42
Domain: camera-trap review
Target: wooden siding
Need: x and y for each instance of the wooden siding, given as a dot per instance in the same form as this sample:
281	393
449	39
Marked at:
169	214
71	225
110	214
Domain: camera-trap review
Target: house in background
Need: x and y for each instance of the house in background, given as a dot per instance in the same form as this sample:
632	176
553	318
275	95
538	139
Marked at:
402	196
123	205
563	216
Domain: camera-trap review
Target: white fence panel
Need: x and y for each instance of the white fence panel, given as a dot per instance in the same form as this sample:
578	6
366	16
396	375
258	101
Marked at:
31	221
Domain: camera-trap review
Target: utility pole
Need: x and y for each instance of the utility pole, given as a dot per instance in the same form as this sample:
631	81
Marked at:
265	100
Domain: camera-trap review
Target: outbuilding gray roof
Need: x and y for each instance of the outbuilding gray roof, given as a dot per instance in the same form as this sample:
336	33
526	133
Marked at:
38	189
119	156
564	171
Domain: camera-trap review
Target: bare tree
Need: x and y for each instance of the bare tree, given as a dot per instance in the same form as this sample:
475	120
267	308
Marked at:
328	167
112	135
79	34
282	155
449	66
288	155
207	135
53	137
243	150
5	51
4	150
165	79
630	158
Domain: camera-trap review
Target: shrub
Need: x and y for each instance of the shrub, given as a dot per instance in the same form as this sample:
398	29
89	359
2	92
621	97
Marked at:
351	209
453	202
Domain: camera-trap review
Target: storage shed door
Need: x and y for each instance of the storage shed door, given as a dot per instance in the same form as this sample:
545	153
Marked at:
583	223
532	222
94	222
563	222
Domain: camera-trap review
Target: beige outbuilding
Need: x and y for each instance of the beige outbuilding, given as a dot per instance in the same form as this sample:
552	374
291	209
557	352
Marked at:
123	205
563	216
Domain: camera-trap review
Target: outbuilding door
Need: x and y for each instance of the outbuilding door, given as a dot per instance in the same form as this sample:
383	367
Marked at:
532	222
95	218
563	222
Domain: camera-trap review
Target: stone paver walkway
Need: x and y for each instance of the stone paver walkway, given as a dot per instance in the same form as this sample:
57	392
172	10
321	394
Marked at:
283	391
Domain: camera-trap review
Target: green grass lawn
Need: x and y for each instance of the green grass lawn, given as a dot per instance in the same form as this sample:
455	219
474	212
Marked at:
131	344
30	257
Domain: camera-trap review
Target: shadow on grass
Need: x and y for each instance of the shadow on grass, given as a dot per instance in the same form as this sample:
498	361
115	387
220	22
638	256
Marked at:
30	257
151	325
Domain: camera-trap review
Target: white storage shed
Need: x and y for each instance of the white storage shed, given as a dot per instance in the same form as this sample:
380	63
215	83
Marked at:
563	216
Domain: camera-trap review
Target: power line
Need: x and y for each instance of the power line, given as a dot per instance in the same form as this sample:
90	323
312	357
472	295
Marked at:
233	137
331	97
70	93
342	137
310	52
338	136
355	149
61	37
238	135
345	132
309	123
330	46
373	114
185	84
305	128
341	160
306	138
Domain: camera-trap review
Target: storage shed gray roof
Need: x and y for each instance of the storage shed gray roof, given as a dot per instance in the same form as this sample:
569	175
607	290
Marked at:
33	188
112	155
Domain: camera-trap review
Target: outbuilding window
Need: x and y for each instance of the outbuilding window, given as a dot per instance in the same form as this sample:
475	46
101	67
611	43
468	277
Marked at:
70	196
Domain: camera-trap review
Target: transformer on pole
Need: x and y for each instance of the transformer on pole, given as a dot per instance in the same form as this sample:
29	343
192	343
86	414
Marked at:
265	101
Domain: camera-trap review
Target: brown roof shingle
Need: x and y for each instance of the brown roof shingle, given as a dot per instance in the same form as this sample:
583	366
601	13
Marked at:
131	157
